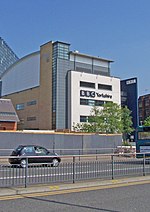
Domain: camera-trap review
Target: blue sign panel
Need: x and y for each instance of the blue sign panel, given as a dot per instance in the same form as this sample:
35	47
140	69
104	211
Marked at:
129	98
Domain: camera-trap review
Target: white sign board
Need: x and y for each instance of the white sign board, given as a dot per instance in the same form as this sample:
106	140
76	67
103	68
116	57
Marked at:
129	82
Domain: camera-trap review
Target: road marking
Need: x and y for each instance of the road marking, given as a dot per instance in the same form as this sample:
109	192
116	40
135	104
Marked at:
115	181
73	190
54	187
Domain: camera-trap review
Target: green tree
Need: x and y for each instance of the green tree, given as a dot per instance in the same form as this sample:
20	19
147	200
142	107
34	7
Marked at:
111	119
93	124
126	122
106	120
147	121
96	119
111	116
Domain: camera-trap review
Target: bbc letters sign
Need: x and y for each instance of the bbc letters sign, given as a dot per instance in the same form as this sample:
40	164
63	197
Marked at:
93	94
132	81
87	93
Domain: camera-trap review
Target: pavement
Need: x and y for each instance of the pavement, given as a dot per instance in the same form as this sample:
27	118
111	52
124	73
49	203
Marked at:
68	186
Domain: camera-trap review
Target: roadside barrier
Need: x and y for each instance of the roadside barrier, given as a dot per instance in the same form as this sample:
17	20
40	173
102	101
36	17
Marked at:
73	168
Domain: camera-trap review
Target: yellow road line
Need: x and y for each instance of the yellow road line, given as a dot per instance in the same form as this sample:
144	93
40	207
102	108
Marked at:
74	190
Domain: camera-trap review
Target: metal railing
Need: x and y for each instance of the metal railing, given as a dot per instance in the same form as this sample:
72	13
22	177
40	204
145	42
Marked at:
73	169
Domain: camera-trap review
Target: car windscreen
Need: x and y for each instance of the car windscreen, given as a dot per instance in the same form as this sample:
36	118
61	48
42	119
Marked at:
18	149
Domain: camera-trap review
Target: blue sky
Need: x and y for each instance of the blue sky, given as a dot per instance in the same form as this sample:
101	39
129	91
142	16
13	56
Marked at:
113	29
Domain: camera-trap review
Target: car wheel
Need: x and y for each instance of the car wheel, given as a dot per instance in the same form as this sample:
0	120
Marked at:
23	163
55	162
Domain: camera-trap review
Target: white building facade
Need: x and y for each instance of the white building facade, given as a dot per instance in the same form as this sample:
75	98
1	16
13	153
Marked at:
88	90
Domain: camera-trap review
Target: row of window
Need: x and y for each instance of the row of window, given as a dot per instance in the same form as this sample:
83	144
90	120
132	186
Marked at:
144	103
32	118
92	102
84	118
22	105
92	85
7	114
60	51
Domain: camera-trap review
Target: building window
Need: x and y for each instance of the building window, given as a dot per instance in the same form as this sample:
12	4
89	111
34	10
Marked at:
147	112
83	101
99	103
61	50
140	105
105	87
20	106
87	84
83	118
7	114
91	102
33	102
147	102
33	118
86	118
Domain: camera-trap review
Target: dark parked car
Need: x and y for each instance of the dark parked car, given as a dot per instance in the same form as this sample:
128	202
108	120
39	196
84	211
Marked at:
33	150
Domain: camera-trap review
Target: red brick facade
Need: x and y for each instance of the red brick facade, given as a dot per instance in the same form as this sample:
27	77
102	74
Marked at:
8	125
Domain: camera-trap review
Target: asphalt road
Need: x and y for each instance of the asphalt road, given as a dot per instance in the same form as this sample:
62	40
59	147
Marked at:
131	198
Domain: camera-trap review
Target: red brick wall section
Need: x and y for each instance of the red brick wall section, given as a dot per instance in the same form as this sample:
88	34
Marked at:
8	126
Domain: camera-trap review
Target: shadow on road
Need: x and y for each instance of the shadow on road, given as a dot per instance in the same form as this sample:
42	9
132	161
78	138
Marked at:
70	204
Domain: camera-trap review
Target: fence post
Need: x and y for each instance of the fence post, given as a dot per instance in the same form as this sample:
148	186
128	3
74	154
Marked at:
53	146
26	173
112	162
79	154
144	164
96	154
73	169
13	182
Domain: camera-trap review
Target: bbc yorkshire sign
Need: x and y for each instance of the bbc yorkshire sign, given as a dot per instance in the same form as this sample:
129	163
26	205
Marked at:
93	94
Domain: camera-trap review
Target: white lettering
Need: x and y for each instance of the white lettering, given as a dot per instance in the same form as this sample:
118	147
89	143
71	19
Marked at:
129	82
93	94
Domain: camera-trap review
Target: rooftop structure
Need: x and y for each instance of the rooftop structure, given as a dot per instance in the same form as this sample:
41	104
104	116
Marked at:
7	56
8	116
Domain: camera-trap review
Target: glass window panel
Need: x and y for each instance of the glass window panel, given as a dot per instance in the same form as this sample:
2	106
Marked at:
87	84
20	106
83	118
105	87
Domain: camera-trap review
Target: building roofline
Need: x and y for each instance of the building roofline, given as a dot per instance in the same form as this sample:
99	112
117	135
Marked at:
55	42
129	79
46	43
62	42
7	107
93	74
18	61
90	56
145	95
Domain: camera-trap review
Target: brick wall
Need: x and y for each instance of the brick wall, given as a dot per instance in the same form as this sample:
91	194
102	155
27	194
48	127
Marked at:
8	125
